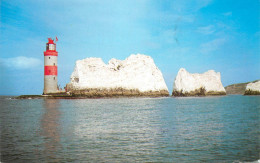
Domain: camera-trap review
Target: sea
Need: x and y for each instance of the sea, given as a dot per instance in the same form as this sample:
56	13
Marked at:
183	129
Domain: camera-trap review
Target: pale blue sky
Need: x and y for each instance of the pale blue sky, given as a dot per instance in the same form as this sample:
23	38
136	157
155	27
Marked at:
200	35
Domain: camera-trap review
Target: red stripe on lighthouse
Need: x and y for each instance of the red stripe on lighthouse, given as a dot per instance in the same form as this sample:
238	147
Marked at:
52	53
50	70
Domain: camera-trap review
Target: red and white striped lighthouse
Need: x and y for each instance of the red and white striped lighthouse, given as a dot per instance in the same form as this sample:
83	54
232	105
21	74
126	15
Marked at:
50	68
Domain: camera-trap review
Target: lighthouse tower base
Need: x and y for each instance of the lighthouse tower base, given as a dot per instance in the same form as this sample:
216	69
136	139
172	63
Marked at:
49	86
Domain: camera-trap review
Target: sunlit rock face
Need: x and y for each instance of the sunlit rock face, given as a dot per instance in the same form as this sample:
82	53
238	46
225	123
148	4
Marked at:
137	75
208	83
253	88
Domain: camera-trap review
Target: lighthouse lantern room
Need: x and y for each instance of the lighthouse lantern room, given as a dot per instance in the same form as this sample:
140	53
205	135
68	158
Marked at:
50	68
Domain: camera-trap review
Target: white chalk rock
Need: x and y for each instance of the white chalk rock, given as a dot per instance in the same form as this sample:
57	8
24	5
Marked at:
137	72
186	82
253	86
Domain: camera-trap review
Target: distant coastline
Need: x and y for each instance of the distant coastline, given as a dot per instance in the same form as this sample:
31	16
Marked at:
238	88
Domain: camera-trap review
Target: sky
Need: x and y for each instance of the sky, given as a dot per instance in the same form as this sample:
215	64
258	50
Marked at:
198	35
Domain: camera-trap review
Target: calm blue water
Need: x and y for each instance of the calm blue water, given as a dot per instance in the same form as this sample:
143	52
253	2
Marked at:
212	129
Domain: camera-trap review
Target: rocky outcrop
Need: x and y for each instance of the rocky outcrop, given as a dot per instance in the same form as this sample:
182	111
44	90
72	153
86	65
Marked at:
206	84
253	88
137	75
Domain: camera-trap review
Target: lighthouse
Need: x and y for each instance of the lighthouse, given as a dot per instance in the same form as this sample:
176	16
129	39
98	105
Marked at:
50	68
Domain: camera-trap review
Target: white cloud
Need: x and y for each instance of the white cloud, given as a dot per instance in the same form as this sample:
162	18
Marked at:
20	62
179	52
257	34
182	6
202	3
206	30
227	13
212	45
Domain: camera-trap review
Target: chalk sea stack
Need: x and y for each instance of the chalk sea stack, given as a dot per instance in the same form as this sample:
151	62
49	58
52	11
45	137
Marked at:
206	84
253	88
137	75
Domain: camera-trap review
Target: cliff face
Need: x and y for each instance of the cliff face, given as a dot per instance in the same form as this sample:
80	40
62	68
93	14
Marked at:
187	84
137	75
236	88
253	88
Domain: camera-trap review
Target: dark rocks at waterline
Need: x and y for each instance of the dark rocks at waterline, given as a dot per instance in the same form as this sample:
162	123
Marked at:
117	92
197	92
251	92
